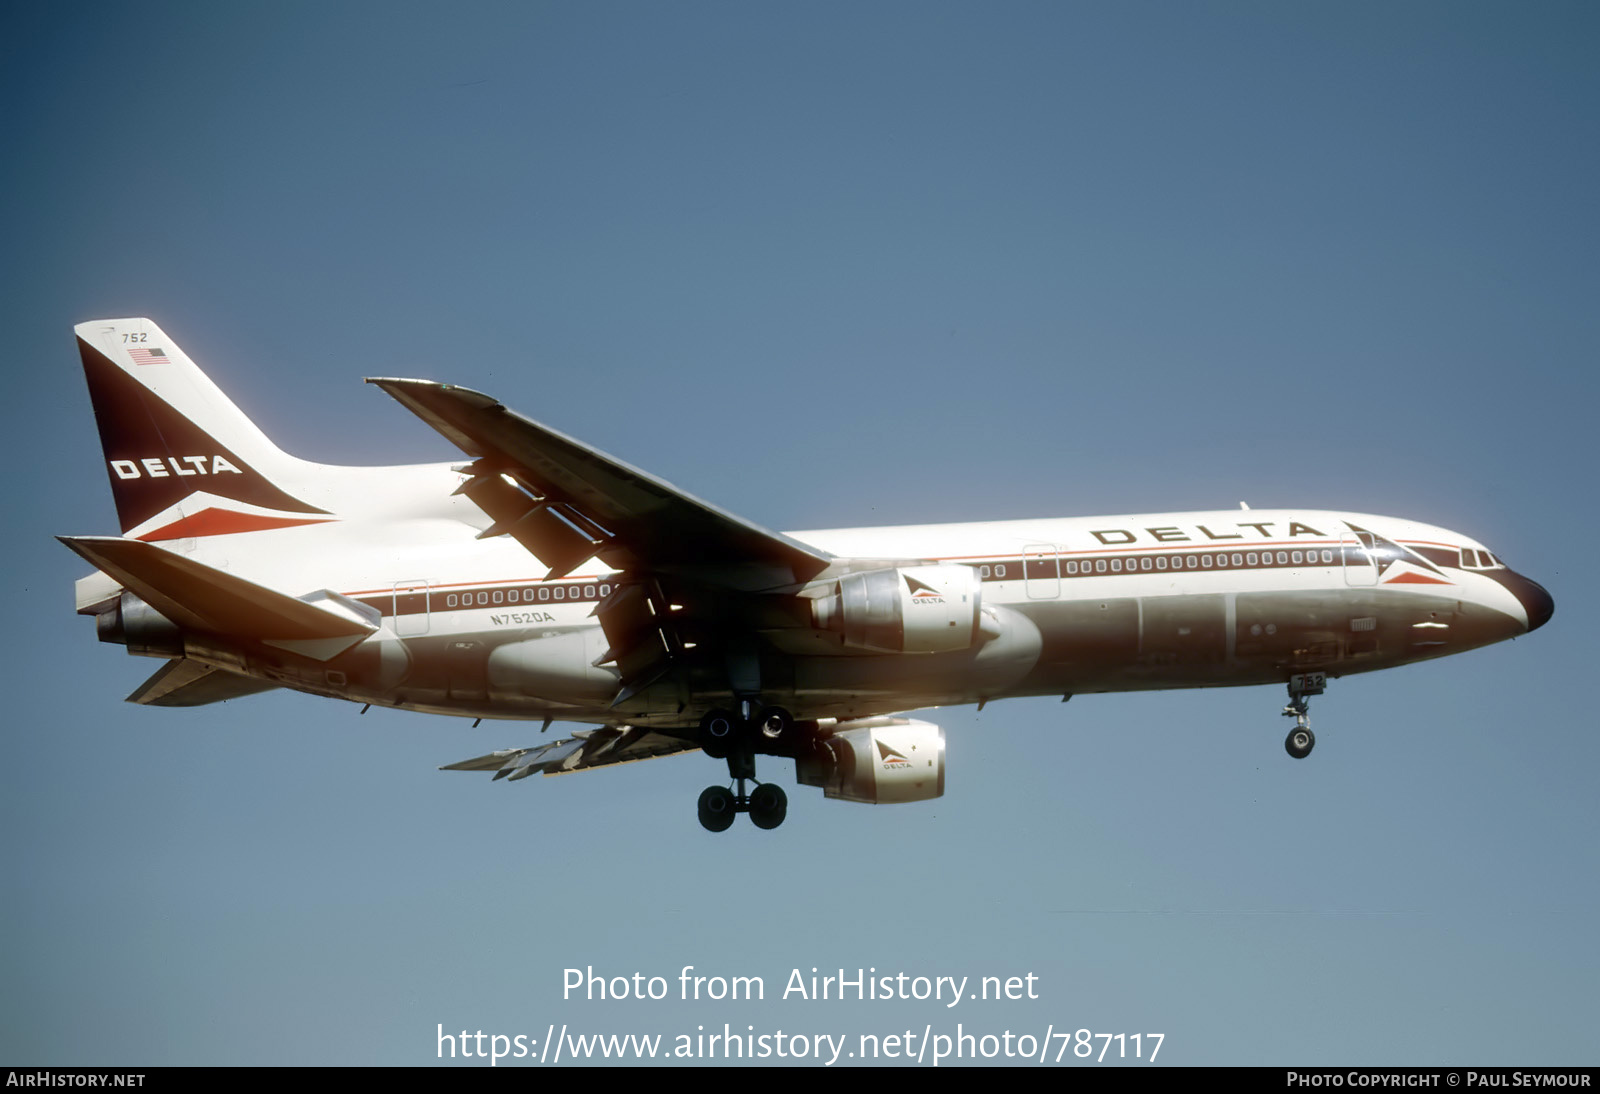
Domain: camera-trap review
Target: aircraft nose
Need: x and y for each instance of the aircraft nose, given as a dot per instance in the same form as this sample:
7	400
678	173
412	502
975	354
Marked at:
1539	604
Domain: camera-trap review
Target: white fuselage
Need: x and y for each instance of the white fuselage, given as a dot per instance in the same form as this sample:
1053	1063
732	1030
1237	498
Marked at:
1080	605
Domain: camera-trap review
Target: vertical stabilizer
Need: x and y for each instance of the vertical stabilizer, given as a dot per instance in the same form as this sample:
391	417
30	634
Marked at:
182	459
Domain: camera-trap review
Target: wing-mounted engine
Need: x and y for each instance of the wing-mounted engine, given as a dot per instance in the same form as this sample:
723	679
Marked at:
905	609
879	761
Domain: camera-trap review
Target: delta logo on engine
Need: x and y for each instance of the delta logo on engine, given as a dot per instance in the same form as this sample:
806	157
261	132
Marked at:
922	593
890	759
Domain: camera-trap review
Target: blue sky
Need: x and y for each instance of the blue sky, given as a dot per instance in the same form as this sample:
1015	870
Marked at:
828	265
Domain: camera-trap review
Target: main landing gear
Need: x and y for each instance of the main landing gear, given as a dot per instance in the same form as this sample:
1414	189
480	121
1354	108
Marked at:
724	735
1302	687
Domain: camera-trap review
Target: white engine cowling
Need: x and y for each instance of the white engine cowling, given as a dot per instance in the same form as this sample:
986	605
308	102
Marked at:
911	609
886	761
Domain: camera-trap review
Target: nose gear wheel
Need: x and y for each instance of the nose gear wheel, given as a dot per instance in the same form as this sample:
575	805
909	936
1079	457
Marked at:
1302	687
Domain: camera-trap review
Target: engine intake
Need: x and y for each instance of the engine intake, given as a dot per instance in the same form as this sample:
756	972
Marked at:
887	761
911	609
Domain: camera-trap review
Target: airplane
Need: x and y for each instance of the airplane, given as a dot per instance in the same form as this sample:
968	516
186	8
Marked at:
539	579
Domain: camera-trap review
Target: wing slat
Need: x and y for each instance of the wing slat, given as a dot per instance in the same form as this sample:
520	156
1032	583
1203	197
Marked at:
595	748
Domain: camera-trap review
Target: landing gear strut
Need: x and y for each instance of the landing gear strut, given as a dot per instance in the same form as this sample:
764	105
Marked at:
1302	687
726	736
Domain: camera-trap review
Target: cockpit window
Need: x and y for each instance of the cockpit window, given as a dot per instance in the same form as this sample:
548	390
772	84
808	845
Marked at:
1474	559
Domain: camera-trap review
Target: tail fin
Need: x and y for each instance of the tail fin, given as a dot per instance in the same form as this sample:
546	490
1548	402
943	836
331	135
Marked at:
183	460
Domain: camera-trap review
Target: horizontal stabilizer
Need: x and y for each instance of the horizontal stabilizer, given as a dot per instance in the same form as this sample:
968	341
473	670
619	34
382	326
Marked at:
181	683
201	598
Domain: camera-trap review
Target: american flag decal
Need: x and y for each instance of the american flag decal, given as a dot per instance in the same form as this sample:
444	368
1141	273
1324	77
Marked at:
143	356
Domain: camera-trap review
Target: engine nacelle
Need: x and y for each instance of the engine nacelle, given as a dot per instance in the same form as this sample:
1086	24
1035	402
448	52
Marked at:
133	623
911	609
886	761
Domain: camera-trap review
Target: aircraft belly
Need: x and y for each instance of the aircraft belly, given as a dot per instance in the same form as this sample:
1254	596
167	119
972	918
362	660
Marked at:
559	667
1233	639
1044	647
856	685
1303	631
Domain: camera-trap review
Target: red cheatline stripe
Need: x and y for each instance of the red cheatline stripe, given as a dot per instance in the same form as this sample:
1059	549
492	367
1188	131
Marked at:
1417	579
222	522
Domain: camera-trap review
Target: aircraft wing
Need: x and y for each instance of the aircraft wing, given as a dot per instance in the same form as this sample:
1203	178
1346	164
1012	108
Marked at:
573	502
581	752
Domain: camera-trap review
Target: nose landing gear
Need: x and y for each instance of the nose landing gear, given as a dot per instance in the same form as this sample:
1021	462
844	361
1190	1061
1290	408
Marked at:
1302	687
